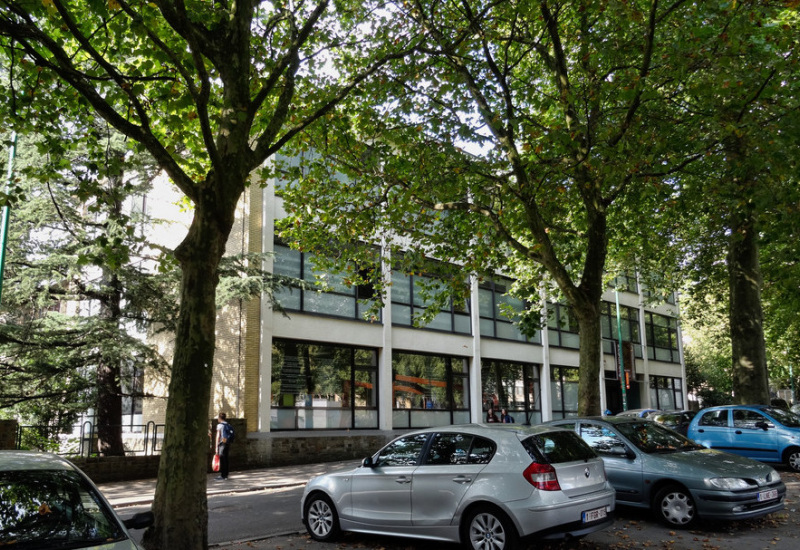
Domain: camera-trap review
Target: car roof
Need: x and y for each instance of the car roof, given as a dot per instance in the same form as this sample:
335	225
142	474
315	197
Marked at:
520	430
608	419
728	407
32	460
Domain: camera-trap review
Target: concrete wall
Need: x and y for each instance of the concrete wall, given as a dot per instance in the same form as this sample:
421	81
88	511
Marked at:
255	450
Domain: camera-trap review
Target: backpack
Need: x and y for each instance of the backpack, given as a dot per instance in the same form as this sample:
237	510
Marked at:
227	432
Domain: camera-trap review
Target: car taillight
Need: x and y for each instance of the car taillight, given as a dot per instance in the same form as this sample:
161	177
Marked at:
542	476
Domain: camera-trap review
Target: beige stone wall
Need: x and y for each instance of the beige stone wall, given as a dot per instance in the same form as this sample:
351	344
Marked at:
252	351
229	360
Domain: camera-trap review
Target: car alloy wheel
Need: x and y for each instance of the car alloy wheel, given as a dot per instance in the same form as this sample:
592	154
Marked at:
793	459
487	529
322	521
675	507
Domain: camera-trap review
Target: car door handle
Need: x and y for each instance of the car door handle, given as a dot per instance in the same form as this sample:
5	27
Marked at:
403	480
738	432
701	430
462	479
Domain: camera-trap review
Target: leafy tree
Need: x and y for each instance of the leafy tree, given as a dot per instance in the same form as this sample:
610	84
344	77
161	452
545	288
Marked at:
531	138
81	283
211	90
744	107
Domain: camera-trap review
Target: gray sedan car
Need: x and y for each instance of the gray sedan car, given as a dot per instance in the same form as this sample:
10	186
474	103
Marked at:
654	467
485	486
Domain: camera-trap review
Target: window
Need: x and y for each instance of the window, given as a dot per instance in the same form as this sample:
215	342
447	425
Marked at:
629	325
513	386
339	299
750	420
714	418
499	313
132	383
564	389
454	448
625	282
319	386
662	337
602	440
405	451
408	304
666	393
429	390
557	447
562	326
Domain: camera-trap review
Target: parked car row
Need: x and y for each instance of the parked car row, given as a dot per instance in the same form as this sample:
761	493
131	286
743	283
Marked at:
485	486
465	483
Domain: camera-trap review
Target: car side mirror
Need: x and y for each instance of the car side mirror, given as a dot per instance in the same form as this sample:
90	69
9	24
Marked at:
763	425
368	463
142	520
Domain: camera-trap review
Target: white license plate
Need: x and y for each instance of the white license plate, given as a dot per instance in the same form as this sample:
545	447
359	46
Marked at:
594	515
767	495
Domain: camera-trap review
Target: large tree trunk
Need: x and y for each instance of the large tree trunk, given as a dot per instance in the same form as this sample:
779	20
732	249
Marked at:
590	359
750	377
180	505
109	386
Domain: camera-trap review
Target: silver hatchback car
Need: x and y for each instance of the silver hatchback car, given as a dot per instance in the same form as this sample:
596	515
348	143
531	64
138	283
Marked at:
485	486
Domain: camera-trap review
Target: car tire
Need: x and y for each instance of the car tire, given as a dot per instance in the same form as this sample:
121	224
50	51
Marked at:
487	528
675	507
321	519
792	458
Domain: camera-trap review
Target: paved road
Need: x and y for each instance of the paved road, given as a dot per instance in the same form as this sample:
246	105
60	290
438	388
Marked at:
262	508
633	529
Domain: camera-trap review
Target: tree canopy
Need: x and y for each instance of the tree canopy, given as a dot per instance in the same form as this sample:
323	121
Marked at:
210	90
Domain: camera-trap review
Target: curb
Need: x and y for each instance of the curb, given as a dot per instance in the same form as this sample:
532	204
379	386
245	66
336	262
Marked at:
221	491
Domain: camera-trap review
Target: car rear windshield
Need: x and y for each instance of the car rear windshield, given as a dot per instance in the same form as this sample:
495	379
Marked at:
53	509
557	446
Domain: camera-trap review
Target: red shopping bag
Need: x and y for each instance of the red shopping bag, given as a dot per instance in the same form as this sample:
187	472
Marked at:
215	463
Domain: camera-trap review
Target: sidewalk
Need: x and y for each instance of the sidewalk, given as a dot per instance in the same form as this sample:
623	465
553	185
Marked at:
140	492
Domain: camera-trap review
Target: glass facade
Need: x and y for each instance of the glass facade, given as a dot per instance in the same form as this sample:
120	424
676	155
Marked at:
338	299
666	393
429	390
562	326
564	391
318	386
662	337
629	323
408	304
513	386
499	312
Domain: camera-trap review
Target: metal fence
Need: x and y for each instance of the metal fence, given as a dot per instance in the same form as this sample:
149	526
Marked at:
81	440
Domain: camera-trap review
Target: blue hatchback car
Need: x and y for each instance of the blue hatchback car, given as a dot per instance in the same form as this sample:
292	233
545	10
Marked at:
761	432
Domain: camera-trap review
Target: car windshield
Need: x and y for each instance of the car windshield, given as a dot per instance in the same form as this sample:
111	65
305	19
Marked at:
650	437
787	418
53	509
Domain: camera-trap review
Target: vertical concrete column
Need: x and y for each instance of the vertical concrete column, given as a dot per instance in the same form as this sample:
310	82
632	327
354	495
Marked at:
385	391
475	382
544	374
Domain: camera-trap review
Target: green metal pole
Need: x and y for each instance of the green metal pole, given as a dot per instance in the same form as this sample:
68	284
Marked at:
621	355
12	153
